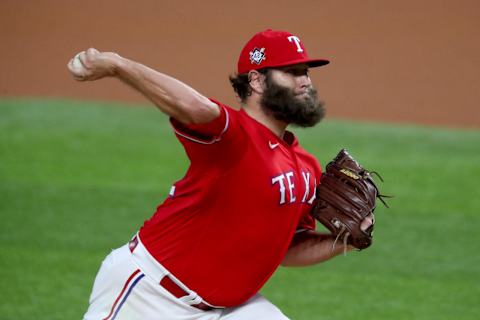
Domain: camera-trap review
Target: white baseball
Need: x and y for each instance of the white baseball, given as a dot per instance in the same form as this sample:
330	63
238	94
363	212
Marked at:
77	64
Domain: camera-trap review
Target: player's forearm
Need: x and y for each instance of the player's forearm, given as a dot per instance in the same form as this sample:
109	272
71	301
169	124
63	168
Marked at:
310	248
170	95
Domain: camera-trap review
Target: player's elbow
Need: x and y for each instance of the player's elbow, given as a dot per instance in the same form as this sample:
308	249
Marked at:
286	263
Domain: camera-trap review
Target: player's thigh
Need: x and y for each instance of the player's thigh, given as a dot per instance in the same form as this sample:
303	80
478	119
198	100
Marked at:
114	274
257	308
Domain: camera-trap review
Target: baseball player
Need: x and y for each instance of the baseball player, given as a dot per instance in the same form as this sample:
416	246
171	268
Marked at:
242	208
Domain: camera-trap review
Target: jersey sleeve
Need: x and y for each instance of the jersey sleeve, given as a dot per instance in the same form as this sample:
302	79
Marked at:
307	222
220	141
205	133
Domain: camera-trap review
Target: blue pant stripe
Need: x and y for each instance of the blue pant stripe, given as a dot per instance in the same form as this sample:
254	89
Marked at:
126	296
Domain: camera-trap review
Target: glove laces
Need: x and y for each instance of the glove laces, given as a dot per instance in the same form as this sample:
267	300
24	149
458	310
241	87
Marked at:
345	239
381	196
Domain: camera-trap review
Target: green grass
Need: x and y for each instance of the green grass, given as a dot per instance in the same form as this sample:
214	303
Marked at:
78	179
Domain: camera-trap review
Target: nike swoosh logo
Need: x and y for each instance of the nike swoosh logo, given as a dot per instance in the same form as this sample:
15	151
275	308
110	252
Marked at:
273	145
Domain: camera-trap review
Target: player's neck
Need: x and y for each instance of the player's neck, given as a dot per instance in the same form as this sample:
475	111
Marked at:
255	111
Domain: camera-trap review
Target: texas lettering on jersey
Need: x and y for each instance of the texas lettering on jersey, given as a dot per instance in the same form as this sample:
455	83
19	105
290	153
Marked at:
285	180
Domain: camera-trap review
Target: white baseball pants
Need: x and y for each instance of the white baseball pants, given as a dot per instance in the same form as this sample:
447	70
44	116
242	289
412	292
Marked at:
123	291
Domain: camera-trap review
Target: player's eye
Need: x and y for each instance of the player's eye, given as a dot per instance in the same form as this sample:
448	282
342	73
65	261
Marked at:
303	72
299	72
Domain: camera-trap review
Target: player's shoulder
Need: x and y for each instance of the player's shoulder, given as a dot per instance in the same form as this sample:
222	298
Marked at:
305	154
308	157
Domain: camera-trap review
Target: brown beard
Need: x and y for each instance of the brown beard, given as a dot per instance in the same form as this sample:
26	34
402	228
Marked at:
284	105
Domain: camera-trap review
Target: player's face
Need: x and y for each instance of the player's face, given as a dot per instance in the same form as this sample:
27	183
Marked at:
295	77
290	96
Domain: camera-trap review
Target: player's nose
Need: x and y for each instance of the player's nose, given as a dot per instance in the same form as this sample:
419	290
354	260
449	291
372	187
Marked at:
304	81
303	86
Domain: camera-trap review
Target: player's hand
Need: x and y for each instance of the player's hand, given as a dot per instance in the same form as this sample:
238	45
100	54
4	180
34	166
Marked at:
92	65
365	225
368	222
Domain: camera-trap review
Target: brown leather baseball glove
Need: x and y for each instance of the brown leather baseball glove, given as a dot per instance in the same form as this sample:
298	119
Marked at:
346	195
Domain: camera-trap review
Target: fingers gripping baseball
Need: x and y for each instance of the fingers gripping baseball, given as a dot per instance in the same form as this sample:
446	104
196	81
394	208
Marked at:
78	65
92	65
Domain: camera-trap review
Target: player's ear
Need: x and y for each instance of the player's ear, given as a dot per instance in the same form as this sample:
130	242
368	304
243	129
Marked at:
256	81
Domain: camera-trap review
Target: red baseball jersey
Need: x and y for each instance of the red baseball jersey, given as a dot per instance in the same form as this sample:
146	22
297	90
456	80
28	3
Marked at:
228	223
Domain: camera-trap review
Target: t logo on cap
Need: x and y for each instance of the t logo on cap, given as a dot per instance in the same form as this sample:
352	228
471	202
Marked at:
297	42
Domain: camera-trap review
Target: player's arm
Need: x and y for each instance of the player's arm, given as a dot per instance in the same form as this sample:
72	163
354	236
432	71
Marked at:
170	95
310	247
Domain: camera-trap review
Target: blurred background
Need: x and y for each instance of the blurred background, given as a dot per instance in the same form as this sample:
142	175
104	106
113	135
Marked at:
397	61
82	165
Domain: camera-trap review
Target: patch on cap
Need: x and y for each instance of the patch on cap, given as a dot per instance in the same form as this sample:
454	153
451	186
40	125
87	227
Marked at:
257	55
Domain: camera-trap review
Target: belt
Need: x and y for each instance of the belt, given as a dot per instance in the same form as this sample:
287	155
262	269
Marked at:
168	284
